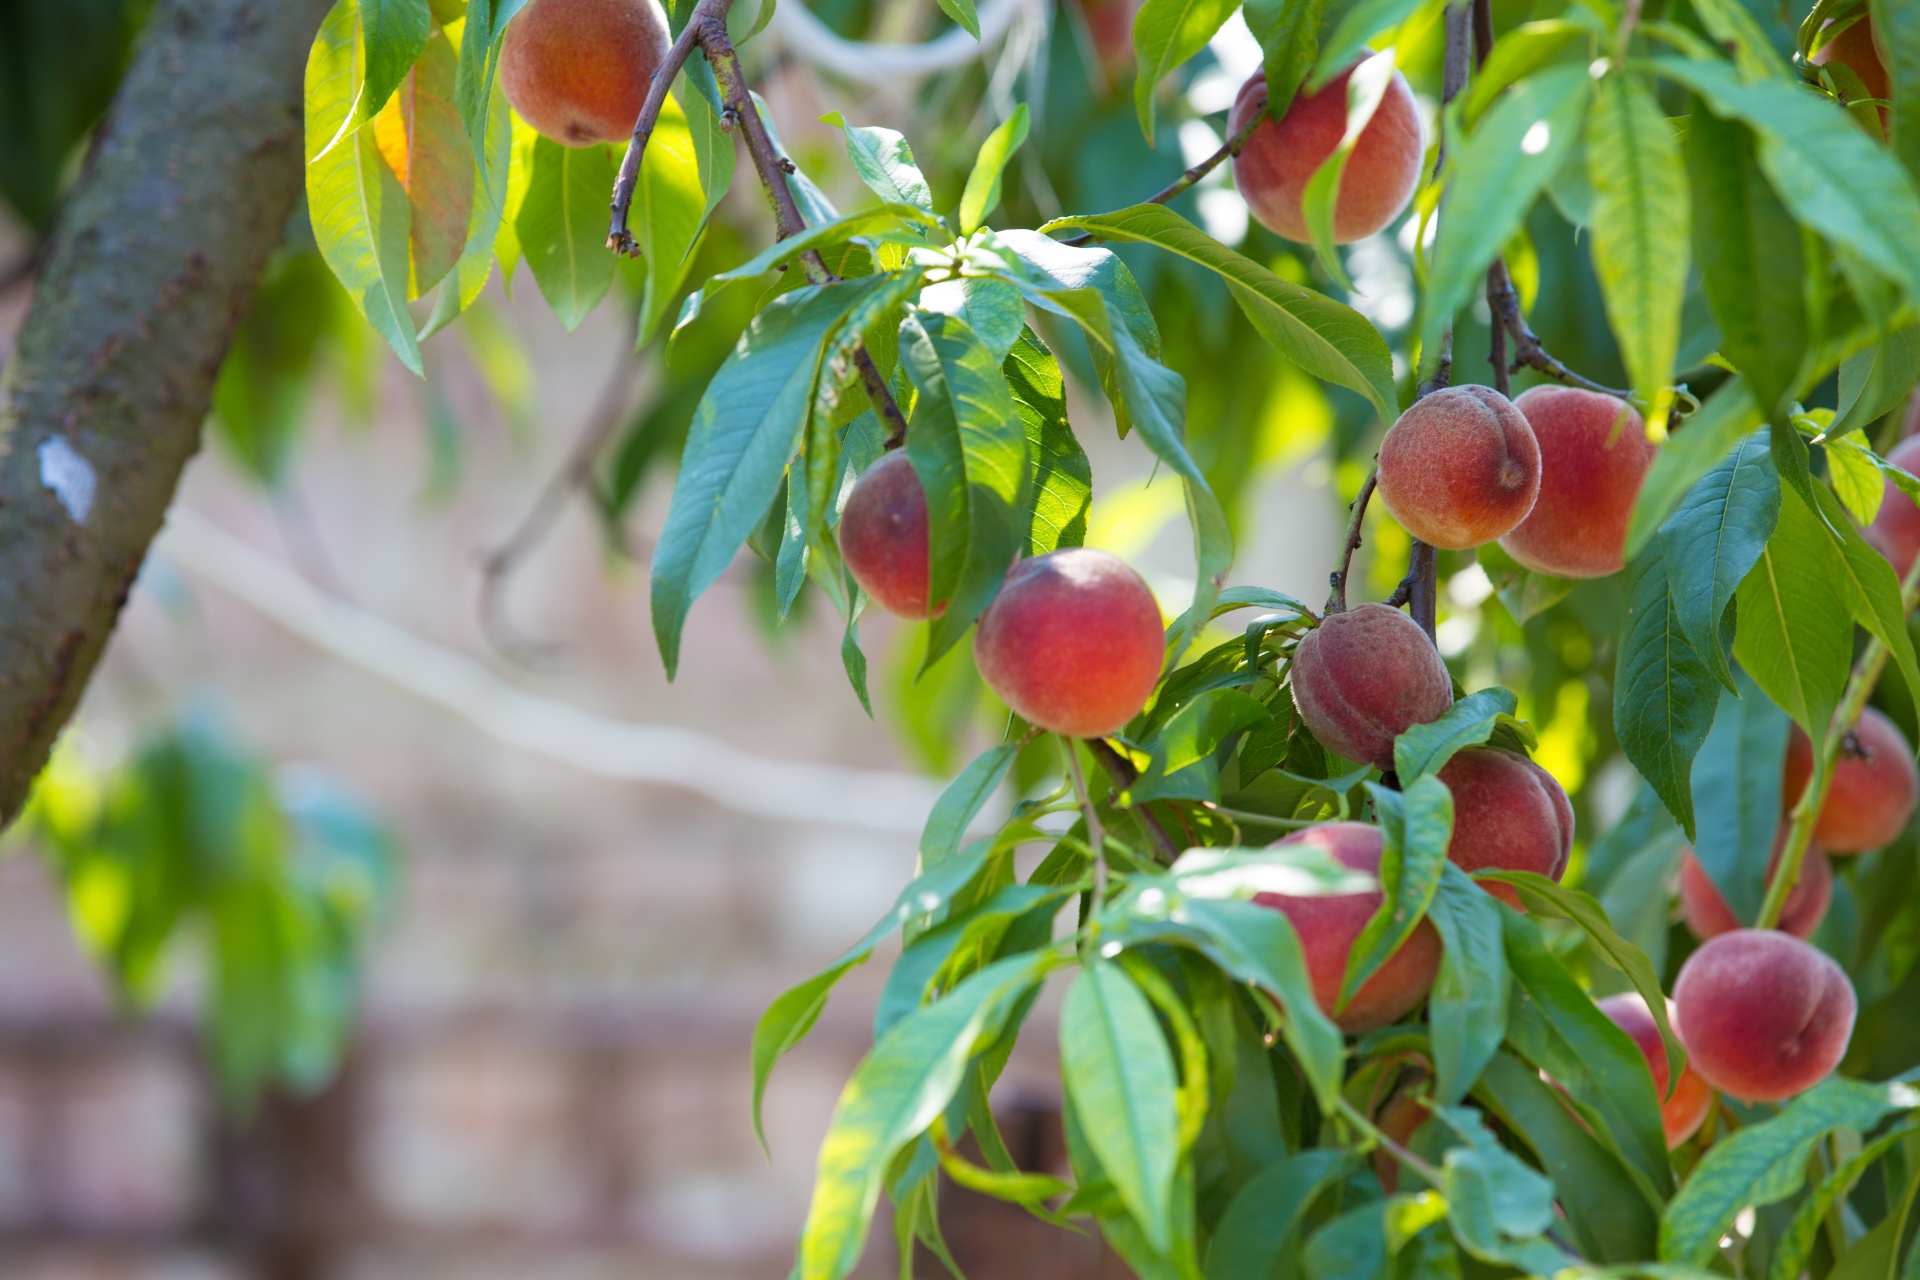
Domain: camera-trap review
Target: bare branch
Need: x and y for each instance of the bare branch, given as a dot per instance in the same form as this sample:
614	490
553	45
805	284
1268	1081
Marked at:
1527	350
619	238
1228	149
1337	599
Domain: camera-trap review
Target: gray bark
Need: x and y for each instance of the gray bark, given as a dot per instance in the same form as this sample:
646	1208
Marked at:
158	248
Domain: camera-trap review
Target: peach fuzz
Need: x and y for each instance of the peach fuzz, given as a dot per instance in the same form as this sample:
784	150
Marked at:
1594	453
1763	1015
1460	468
1508	815
1073	642
1274	166
1875	785
1706	911
578	70
1328	925
1895	531
1685	1107
1363	677
883	537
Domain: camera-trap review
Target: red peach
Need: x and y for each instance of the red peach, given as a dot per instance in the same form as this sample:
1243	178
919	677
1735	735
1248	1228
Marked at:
883	537
1073	642
1875	785
578	70
1858	49
1328	925
1460	468
1895	530
1363	677
1763	1015
1706	911
1509	814
1594	453
1684	1109
1274	166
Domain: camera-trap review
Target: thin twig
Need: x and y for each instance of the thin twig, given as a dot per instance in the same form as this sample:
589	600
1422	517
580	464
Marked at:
497	566
619	238
1866	673
1229	149
1124	775
1497	335
1337	598
1527	349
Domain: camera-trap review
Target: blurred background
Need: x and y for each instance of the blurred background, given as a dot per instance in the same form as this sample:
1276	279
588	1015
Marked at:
386	912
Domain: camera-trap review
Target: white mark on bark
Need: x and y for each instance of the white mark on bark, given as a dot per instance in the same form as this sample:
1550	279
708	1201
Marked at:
68	476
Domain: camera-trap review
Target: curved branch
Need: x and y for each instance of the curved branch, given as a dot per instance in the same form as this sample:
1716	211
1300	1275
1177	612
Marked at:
156	253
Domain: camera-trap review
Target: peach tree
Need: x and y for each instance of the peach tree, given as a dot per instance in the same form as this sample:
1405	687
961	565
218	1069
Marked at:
1344	991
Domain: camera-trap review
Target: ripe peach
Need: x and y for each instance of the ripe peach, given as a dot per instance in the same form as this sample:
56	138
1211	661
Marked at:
1508	814
1073	642
1363	677
1708	915
578	70
1110	25
1281	155
1895	531
1328	925
1858	49
883	537
1763	1015
1461	467
1875	785
1682	1111
1594	453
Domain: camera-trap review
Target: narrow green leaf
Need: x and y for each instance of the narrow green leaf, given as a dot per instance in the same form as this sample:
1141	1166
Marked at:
1896	27
1663	691
669	210
969	448
1325	338
1876	381
880	221
790	565
361	218
1060	486
470	274
1289	36
1640	225
1516	54
884	161
1470	721
562	227
961	11
982	195
1796	1245
1264	1217
1870	587
712	146
1795	636
1419	825
962	802
1354	34
1467	1017
1183	747
1728	415
1714	538
396	34
1736	794
1525	594
1115	1064
480	40
1165	34
1366	89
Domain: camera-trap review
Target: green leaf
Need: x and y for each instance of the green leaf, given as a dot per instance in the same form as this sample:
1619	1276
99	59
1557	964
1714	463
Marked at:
1663	692
962	802
1419	824
1896	28
1766	1162
1183	748
990	305
1325	338
1736	794
712	145
1834	178
1069	267
1795	637
1353	36
1366	89
1496	1205
882	221
974	934
1640	228
982	195
745	431
1165	34
790	565
396	34
1555	1025
1497	172
969	448
1114	1064
1525	594
1796	1245
895	1093
1611	1220
1714	538
961	11
1289	36
1264	1217
884	161
1869	585
669	208
562	227
1426	748
1467	1011
1876	381
470	273
1751	258
1365	1243
1060	486
1516	54
480	40
360	215
1728	415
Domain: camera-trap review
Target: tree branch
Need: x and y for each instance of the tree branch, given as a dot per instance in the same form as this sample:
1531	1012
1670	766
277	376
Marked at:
1527	350
1229	149
1124	775
1337	598
189	186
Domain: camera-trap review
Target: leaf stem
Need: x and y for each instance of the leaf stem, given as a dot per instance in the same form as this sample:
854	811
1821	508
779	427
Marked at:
1866	673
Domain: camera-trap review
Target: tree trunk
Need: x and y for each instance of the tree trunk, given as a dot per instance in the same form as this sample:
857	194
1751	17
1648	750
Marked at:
188	187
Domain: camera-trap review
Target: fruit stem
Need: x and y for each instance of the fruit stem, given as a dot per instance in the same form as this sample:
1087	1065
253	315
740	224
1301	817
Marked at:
1337	598
1228	149
1866	672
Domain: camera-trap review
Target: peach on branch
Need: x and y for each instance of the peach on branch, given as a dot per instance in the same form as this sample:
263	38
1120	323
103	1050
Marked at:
1460	468
1366	675
1685	1106
1509	814
1283	152
1328	924
1707	914
1875	785
1073	642
1594	453
883	537
578	70
1763	1015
